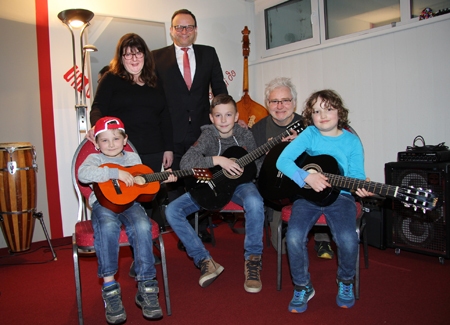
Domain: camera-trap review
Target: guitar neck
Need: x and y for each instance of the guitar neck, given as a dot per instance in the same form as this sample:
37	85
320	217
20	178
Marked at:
162	176
354	184
258	152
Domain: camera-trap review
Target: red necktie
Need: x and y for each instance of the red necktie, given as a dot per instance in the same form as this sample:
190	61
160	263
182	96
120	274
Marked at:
187	68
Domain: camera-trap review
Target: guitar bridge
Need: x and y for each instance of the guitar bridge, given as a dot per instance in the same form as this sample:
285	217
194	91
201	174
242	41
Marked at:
117	186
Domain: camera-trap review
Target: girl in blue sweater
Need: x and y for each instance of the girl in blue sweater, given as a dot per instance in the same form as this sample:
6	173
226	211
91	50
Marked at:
326	135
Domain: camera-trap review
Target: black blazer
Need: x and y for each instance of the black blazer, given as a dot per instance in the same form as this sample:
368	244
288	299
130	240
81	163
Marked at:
193	104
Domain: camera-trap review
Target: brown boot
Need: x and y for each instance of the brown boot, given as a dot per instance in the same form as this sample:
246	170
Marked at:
252	277
210	271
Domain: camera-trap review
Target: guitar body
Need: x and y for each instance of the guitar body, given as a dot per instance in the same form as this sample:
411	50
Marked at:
122	197
279	189
215	194
319	164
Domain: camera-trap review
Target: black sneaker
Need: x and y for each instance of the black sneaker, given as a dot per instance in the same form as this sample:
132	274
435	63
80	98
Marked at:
210	271
114	311
147	299
323	249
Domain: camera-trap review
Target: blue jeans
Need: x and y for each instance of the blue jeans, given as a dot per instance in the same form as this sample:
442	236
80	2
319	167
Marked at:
138	227
341	218
246	195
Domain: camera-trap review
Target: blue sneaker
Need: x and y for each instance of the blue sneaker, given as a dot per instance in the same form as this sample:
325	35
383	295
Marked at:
345	297
302	294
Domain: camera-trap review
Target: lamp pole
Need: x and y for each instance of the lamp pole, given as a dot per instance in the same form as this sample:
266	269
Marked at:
76	18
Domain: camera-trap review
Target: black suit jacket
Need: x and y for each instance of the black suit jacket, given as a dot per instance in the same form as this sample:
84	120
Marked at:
189	105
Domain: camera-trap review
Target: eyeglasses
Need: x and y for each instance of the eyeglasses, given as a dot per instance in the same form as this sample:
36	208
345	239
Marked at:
275	102
179	28
129	56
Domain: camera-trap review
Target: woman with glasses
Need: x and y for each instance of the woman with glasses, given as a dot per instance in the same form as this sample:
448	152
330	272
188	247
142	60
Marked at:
129	91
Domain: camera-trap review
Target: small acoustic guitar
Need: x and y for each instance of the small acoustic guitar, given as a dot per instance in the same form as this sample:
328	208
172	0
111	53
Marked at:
118	197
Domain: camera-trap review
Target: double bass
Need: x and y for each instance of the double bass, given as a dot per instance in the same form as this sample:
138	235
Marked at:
249	110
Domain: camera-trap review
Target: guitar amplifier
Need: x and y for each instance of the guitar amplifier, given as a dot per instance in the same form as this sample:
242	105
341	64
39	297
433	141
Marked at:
424	156
413	230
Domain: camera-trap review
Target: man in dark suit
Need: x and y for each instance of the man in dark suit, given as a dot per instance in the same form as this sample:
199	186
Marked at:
189	108
188	100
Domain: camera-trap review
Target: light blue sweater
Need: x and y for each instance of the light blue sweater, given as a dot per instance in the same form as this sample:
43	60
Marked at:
345	148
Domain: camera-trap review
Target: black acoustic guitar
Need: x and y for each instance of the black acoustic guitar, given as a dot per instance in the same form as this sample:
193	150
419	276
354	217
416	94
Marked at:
216	193
416	198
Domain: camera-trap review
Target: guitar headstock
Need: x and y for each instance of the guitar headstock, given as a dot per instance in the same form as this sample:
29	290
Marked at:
417	198
296	126
202	174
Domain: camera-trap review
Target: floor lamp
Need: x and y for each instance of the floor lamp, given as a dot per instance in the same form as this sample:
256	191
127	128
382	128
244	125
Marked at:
79	18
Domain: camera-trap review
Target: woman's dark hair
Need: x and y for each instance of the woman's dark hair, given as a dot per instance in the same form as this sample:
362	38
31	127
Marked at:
329	99
134	42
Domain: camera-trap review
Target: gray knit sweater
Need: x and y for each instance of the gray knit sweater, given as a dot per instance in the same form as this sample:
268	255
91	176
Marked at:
210	144
90	172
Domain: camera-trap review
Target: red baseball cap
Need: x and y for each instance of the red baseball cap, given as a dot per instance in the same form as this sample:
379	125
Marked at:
108	123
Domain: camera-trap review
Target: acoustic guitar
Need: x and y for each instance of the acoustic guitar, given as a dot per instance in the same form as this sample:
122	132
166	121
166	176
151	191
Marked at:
217	192
416	198
118	197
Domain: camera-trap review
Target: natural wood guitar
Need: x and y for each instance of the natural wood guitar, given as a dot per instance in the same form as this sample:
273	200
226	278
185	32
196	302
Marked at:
116	196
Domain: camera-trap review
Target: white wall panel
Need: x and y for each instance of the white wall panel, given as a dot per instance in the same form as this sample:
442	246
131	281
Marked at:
395	85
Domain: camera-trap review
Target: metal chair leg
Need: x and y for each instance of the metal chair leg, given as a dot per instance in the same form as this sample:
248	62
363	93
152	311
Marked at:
164	272
77	279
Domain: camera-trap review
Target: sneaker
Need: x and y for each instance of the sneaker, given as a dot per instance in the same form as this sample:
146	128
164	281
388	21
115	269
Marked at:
114	311
252	268
210	271
345	297
147	299
302	294
324	250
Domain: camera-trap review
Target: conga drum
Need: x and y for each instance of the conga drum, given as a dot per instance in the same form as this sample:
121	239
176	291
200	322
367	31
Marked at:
17	194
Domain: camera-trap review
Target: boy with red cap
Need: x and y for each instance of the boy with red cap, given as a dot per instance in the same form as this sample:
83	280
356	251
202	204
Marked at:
110	139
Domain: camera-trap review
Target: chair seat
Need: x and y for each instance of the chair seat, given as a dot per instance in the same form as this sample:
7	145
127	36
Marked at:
231	206
322	221
84	233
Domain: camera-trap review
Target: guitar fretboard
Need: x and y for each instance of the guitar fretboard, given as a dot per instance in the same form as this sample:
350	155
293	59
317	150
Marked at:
162	176
261	150
354	184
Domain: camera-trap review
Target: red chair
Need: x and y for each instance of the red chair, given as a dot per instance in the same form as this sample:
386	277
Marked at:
83	237
360	228
230	207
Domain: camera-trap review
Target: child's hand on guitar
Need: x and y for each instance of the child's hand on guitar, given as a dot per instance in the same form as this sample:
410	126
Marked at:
317	181
172	178
126	177
228	164
362	192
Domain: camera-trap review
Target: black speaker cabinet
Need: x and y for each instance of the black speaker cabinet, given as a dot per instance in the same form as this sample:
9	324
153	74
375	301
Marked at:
415	231
375	222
